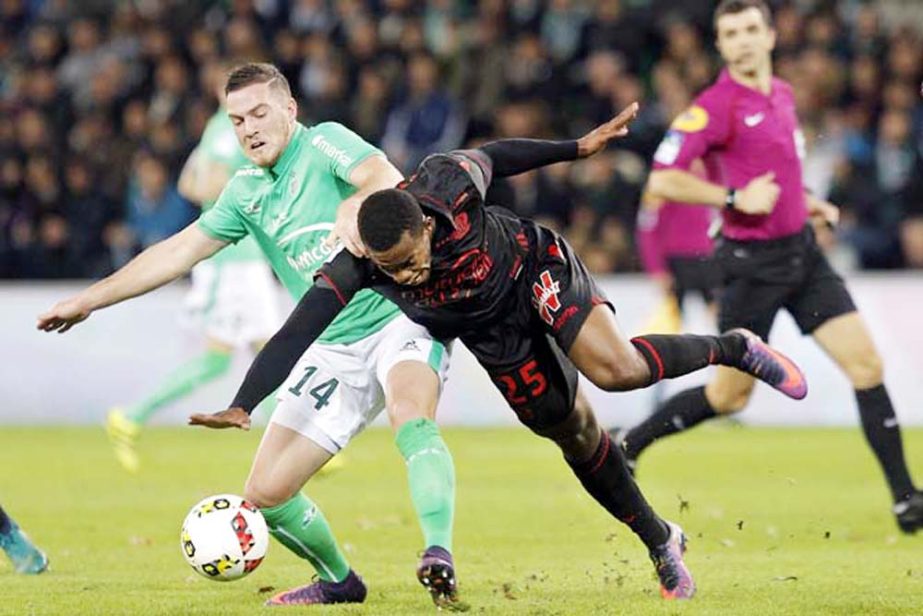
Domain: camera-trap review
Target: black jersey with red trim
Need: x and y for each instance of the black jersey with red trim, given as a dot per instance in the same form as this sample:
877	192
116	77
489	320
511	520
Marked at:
477	251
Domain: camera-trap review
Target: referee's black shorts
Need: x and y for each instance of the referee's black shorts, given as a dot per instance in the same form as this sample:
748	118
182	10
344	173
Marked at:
760	277
693	275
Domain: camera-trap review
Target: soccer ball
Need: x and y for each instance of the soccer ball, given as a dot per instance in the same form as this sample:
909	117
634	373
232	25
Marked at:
224	537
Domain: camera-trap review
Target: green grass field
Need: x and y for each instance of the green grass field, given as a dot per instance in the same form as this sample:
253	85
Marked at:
780	522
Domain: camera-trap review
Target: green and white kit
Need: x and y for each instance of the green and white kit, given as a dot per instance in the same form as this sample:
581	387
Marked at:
337	387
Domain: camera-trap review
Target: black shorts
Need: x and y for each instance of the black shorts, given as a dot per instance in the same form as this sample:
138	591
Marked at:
525	351
760	277
695	275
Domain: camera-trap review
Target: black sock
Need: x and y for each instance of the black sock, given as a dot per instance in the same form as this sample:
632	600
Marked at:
672	356
5	522
605	476
884	436
677	414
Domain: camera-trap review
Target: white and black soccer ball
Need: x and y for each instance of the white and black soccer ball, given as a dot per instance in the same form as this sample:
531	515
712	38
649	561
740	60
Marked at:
224	537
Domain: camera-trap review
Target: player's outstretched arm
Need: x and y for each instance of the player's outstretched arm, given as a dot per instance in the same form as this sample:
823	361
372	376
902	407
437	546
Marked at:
156	266
506	157
616	128
335	285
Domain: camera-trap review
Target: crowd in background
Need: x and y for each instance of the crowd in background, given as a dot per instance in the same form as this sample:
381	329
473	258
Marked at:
101	102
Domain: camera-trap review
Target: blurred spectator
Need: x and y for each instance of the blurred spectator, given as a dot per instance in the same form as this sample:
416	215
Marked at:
154	209
873	193
87	86
427	120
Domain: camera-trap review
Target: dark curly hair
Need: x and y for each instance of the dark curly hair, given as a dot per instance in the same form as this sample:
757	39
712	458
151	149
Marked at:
385	215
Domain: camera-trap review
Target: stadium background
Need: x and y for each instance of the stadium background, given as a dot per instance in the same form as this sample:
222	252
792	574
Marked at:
101	102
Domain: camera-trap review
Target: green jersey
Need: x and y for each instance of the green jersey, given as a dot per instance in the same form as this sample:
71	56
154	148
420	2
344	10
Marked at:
290	209
219	145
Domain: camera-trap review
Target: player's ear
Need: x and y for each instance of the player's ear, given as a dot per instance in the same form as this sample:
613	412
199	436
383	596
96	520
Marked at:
428	225
292	109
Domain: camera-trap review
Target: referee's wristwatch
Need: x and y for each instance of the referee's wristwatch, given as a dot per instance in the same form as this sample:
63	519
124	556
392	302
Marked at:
731	199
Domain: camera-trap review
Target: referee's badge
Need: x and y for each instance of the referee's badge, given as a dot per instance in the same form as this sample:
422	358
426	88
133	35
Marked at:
692	120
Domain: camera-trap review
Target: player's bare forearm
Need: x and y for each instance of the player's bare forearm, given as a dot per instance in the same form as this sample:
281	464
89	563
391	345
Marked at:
159	264
153	268
681	186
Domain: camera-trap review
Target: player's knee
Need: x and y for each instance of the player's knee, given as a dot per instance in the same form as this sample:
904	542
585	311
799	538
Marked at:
865	371
402	410
725	400
616	373
577	436
263	495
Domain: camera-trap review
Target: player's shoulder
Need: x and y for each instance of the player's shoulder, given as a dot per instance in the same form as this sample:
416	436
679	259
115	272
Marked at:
439	166
710	107
325	132
716	98
333	140
782	86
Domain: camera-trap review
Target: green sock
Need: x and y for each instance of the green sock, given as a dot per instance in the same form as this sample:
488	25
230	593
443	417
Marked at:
431	475
300	526
197	371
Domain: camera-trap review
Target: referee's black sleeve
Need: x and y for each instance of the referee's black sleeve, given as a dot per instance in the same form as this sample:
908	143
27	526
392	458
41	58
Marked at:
335	284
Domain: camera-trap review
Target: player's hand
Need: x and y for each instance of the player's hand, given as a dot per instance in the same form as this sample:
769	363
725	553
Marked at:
599	137
759	196
63	315
234	417
346	228
823	212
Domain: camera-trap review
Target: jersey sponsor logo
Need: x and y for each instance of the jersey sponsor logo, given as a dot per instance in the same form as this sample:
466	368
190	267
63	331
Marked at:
692	120
669	149
545	296
460	281
565	316
754	120
331	151
310	258
249	172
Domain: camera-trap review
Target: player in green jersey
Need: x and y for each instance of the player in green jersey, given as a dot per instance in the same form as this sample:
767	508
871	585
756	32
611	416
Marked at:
233	300
306	185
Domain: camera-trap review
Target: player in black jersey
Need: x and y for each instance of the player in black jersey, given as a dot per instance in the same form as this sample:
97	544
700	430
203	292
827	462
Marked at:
524	304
